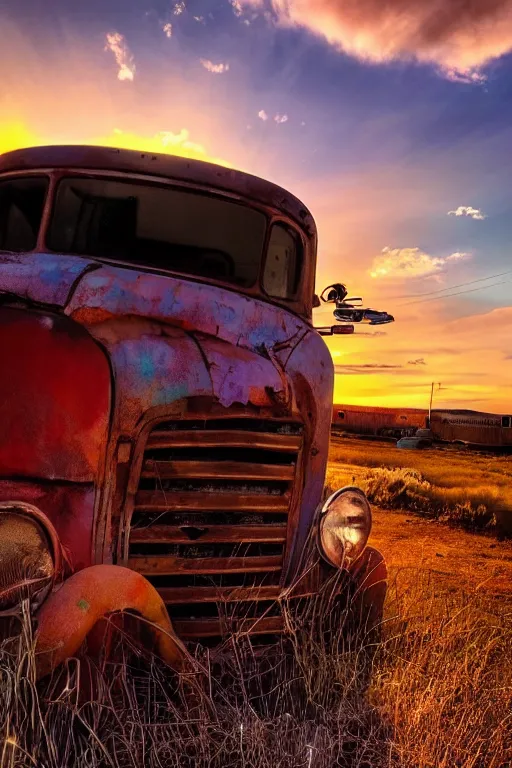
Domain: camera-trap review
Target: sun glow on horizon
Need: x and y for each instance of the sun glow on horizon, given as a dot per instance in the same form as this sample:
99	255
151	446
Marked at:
17	135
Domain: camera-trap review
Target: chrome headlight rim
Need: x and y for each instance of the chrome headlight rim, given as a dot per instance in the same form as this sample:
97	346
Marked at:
50	540
347	560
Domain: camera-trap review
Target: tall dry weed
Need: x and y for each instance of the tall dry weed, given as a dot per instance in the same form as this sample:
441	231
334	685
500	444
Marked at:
473	507
439	696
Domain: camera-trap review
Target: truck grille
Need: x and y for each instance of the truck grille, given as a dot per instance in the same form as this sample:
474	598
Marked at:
210	521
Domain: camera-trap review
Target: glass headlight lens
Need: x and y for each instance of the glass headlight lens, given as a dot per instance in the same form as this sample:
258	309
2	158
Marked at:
345	524
27	567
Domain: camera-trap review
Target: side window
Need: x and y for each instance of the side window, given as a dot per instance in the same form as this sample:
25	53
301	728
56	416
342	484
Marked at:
341	414
283	264
21	210
506	421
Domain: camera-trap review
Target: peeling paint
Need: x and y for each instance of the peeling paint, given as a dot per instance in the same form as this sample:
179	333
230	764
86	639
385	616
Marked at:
44	278
313	387
192	306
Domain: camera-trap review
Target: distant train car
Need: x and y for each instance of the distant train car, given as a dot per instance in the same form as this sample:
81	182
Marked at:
380	422
473	428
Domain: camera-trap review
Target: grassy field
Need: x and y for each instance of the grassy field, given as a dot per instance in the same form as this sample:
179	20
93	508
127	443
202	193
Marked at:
469	489
440	691
448	689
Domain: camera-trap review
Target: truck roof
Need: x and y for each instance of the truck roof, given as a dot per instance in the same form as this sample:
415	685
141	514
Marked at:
168	167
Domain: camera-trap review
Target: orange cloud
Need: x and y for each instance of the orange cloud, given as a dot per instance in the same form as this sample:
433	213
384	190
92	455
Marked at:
457	35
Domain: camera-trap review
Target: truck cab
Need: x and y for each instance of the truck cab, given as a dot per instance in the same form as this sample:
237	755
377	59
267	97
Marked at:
165	400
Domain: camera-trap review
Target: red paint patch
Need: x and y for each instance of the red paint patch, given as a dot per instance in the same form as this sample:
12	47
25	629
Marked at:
54	397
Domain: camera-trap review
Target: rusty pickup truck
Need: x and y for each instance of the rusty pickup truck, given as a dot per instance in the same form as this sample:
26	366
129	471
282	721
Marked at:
165	403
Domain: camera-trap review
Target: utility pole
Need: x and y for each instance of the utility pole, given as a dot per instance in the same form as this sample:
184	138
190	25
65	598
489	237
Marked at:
431	398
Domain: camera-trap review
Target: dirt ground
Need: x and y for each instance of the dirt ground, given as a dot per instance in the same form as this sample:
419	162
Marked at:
452	559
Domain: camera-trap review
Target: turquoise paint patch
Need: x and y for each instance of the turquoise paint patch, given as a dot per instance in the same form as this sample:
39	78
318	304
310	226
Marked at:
147	365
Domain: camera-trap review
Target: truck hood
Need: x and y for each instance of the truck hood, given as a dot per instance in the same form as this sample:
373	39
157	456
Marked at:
169	338
92	292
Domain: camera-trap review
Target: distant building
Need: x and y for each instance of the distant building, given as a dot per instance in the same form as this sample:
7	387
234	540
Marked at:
383	422
451	425
472	427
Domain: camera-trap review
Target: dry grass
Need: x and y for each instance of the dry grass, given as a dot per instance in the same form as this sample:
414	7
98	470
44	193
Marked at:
440	696
473	490
444	679
434	692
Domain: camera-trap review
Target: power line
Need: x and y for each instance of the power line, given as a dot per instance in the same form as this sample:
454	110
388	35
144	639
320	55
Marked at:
459	285
457	293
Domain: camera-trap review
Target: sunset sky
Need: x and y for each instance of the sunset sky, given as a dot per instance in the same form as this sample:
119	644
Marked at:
391	120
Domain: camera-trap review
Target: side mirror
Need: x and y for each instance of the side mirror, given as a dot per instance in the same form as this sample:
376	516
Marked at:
336	330
334	294
350	310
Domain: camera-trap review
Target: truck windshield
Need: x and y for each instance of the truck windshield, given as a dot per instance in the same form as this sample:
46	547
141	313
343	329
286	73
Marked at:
155	226
21	210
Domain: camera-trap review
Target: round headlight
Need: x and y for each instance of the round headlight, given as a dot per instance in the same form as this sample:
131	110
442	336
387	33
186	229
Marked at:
27	556
344	526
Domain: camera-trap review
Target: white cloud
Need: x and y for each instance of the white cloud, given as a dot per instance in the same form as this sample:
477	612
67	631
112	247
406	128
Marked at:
468	76
457	256
199	19
179	8
237	7
281	118
217	69
116	43
262	115
409	262
467	210
167	29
